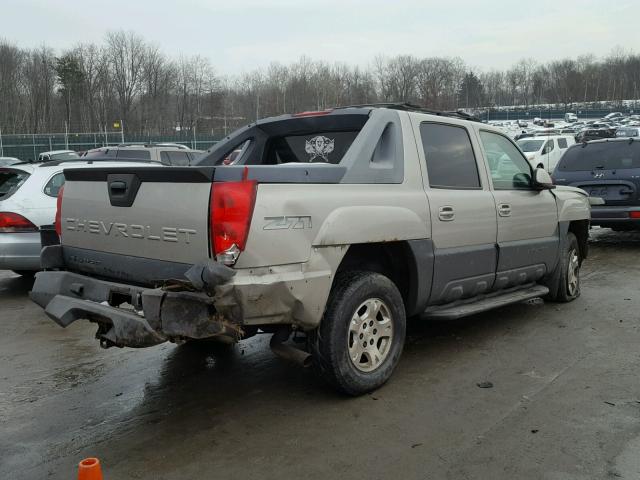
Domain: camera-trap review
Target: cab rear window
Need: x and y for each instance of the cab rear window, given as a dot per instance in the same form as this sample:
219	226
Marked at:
602	156
322	147
11	181
322	138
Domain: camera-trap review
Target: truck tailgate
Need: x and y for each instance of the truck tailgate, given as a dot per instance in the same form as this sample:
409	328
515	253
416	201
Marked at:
146	212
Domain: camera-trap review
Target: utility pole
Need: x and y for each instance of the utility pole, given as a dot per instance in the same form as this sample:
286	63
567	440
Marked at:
66	135
1	147
122	130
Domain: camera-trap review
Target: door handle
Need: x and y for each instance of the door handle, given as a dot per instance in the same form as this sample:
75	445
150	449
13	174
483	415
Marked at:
446	213
504	210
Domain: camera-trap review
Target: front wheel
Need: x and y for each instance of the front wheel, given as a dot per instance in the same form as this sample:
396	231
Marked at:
359	342
569	272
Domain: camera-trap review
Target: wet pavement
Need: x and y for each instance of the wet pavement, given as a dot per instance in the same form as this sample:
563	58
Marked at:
565	402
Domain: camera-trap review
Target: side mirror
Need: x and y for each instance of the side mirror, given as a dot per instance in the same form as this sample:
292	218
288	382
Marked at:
542	179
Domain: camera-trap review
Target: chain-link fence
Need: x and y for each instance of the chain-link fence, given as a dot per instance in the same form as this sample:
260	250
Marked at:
28	146
554	113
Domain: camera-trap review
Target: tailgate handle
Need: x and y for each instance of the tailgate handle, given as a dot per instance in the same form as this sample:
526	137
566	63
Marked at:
122	188
118	186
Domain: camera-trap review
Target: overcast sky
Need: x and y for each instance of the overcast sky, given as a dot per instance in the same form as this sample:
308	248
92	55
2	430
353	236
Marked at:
239	35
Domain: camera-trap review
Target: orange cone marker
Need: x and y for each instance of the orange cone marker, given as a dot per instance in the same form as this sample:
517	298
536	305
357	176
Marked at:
89	469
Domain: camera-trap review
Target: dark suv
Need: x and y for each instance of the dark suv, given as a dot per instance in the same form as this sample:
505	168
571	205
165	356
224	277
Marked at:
609	169
594	134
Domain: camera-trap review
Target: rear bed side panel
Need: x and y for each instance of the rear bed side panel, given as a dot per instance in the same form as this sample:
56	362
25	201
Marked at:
291	219
166	220
314	225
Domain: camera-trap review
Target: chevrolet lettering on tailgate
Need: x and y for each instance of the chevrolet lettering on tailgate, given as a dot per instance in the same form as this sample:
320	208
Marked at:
115	229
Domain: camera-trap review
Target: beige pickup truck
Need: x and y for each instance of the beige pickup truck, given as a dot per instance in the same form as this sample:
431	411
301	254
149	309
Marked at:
336	225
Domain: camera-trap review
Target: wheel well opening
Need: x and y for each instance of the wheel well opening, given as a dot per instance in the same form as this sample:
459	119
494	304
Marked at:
391	259
580	228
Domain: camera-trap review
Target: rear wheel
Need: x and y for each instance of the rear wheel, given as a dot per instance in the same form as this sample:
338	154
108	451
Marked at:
359	342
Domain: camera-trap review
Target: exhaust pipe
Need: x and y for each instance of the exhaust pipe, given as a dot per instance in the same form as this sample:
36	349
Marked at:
287	352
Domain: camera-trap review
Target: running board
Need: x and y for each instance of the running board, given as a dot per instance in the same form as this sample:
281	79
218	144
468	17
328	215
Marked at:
487	302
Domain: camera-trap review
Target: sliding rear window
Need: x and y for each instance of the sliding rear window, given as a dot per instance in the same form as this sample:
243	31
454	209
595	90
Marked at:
601	156
318	147
11	181
290	139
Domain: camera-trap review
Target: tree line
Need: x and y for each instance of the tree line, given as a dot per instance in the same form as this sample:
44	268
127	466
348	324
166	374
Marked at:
127	79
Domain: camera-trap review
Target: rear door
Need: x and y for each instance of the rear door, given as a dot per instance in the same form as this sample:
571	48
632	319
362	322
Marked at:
563	144
548	153
463	214
528	240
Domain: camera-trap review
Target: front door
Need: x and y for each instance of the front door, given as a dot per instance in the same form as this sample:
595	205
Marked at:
548	152
528	237
463	213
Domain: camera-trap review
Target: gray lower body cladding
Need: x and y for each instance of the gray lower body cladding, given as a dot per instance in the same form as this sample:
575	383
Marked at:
143	271
152	315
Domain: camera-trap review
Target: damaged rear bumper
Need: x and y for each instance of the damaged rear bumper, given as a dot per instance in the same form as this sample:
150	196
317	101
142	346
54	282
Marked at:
211	301
128	315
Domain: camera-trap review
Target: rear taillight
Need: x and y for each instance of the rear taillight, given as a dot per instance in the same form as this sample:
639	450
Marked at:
13	222
634	215
230	218
57	222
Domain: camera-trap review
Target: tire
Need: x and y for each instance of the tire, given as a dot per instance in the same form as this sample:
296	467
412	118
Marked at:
569	272
337	353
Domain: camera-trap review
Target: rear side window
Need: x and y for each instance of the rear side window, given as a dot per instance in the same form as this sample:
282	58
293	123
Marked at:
104	152
175	157
562	142
54	185
65	156
320	147
236	154
628	132
449	155
615	155
11	181
134	154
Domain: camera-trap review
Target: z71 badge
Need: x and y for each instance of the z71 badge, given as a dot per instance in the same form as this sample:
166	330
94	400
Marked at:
295	222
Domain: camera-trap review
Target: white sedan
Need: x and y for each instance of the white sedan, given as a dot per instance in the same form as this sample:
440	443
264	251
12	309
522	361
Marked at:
28	195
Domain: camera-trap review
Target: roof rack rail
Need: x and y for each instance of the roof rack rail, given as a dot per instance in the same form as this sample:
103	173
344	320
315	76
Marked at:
151	144
410	107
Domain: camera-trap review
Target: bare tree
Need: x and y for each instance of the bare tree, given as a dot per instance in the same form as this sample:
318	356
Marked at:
127	54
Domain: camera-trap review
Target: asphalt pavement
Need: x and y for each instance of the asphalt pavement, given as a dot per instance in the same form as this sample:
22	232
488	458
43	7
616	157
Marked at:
563	402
